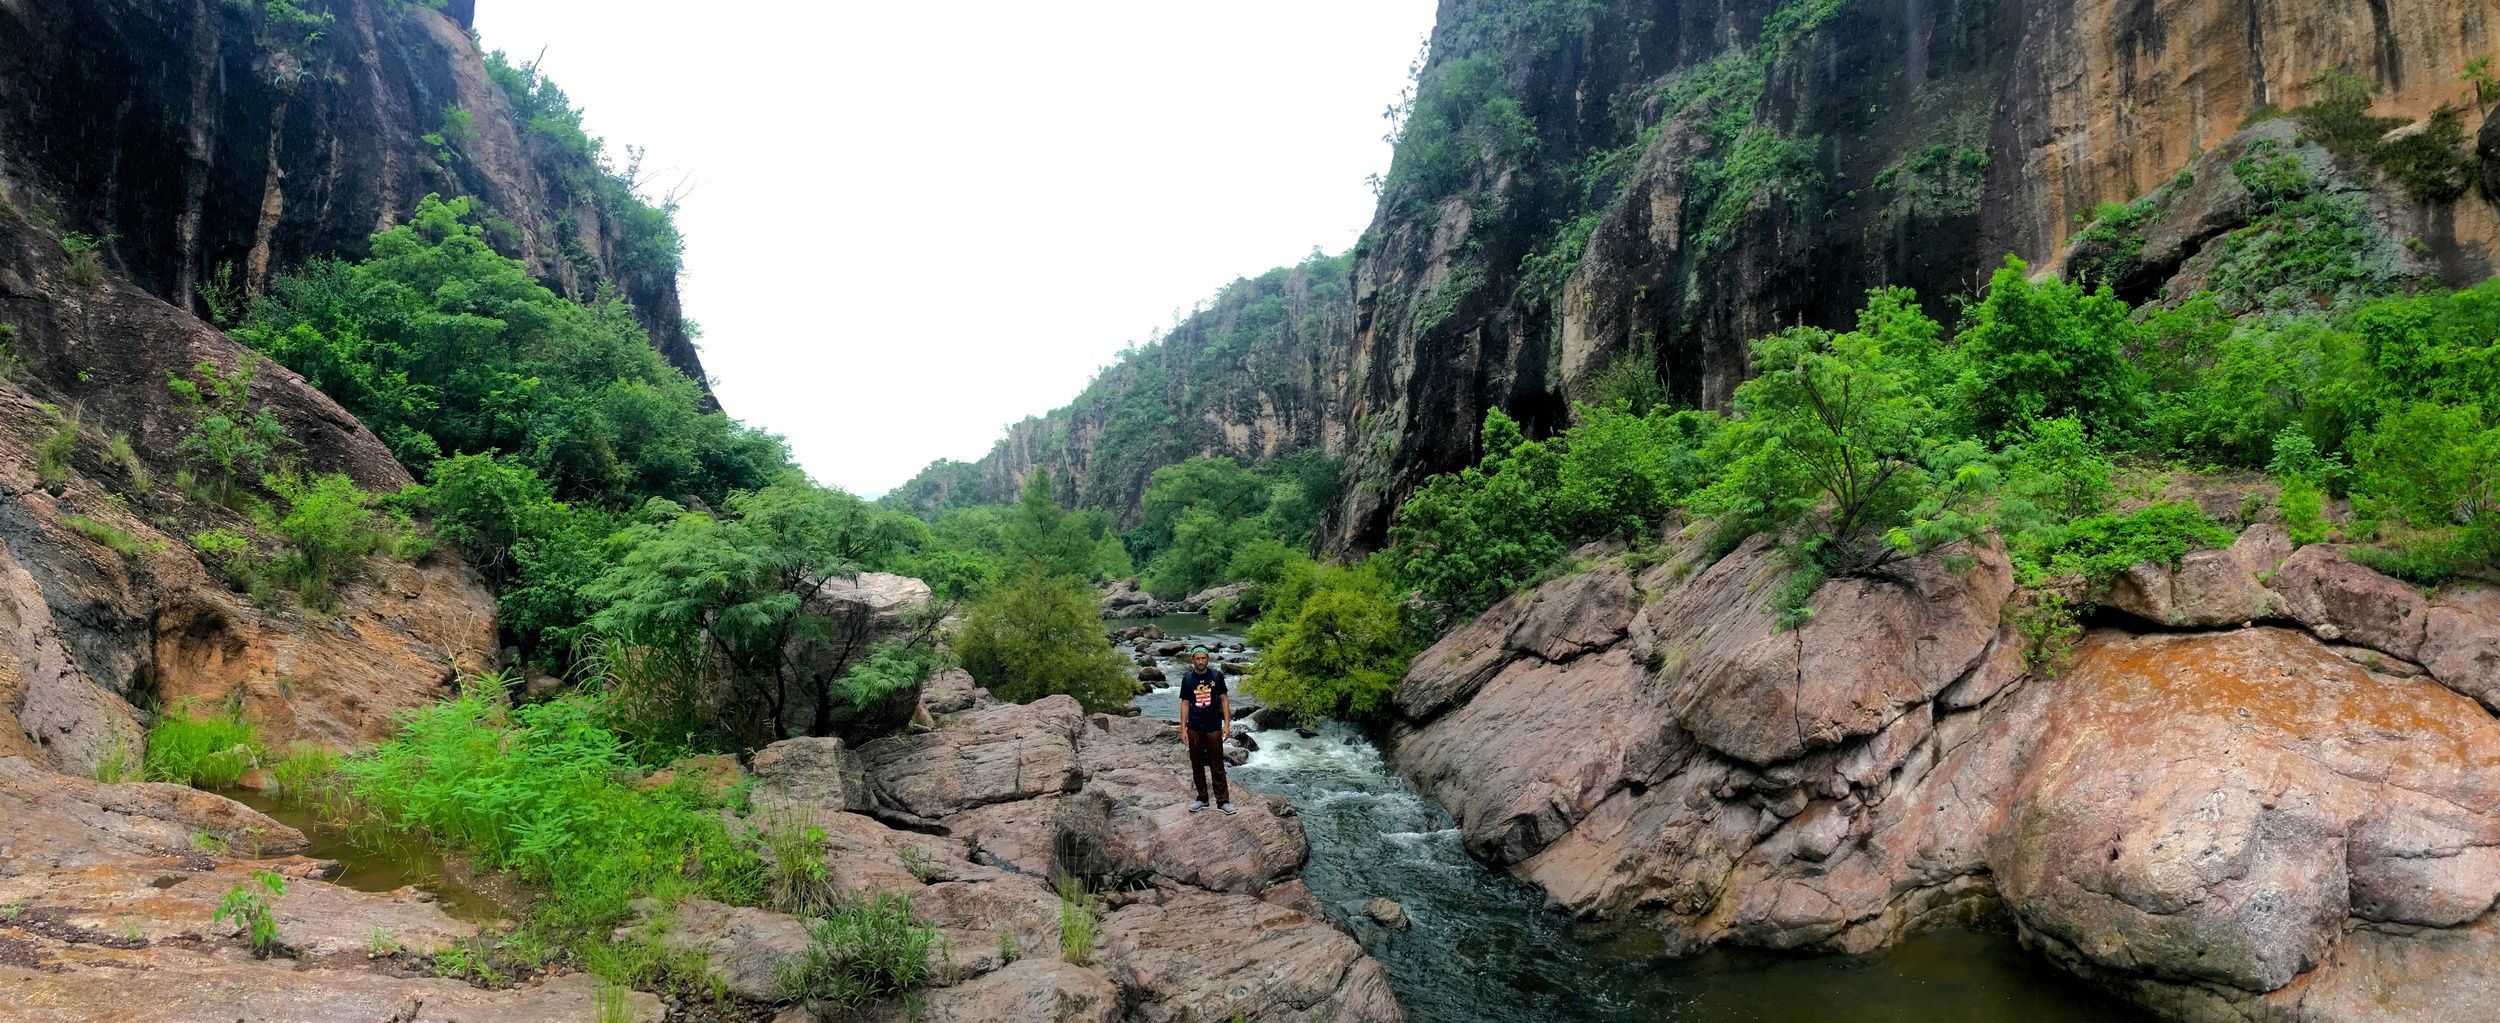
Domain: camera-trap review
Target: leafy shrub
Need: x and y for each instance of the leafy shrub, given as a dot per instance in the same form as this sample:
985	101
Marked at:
796	879
248	906
2039	350
330	527
1334	647
230	442
2100	547
86	258
862	951
204	750
1038	634
1463	118
2049	630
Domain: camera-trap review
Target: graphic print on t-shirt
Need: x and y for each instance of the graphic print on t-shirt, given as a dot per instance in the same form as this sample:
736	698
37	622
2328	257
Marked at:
1204	695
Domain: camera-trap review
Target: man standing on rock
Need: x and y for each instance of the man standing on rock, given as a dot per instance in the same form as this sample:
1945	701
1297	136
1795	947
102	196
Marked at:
1206	712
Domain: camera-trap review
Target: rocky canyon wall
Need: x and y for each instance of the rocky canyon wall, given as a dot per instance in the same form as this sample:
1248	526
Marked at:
210	144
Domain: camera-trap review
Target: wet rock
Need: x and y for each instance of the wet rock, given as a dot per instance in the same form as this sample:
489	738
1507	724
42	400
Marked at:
1154	632
1232	668
1199	957
1271	717
1387	913
1144	661
1172	648
1236	756
1233	647
1243	739
1150	674
1306	732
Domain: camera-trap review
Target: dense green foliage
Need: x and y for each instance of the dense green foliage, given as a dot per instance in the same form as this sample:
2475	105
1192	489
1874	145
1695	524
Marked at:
1040	634
1333	642
444	347
863	950
1210	520
546	790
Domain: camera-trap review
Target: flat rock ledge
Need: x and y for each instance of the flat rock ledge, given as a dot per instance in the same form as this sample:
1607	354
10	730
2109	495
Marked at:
2278	799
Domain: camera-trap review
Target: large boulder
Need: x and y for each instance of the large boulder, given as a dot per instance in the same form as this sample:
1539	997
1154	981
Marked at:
866	610
1027	991
810	776
2208	589
2212	822
994	755
2338	600
1210	957
2461	643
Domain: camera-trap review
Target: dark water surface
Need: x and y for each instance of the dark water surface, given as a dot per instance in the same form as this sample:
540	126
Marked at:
388	863
1484	948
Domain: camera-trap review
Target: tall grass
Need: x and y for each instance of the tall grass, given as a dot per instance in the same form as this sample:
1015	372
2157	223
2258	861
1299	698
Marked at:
546	791
208	751
1077	922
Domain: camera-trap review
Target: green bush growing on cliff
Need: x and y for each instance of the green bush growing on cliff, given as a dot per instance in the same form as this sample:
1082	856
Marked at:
866	949
1333	643
1039	634
1463	117
230	442
330	526
443	346
2045	349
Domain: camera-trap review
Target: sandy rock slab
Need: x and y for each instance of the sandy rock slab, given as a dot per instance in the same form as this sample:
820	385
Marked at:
177	985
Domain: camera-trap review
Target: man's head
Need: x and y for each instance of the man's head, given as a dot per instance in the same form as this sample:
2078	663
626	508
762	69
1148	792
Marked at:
1198	658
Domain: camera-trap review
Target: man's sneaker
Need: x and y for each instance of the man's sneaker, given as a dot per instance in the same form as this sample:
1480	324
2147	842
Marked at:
1227	808
1196	805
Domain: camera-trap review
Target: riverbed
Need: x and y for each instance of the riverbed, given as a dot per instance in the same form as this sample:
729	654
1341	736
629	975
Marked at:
1484	948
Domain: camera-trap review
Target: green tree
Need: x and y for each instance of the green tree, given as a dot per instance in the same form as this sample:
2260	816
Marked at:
2038	350
1335	647
1040	634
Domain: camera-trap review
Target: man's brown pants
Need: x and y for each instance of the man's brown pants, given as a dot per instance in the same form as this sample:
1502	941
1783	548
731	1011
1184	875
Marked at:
1206	753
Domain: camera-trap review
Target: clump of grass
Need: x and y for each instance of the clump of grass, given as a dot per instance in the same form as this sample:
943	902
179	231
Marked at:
865	949
1007	950
306	769
12	365
796	878
120	541
58	449
204	751
1078	918
128	458
115	765
86	257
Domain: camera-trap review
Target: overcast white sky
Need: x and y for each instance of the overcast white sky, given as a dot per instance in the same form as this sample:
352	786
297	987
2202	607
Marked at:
913	223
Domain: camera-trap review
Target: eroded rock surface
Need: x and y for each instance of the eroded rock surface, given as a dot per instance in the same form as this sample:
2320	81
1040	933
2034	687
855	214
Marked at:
2238	823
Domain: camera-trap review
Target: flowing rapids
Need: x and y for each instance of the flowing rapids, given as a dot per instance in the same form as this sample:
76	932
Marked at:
1483	948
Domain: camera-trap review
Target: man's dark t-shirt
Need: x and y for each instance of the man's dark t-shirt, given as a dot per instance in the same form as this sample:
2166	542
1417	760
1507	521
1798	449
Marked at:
1202	694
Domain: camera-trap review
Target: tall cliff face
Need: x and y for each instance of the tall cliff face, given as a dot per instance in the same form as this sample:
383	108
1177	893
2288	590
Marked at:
1665	180
159	158
211	144
1258	374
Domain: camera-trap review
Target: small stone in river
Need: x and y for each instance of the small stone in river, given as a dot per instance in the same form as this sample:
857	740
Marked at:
1387	913
1242	739
1150	673
1172	649
1233	669
1235	648
1307	733
1236	756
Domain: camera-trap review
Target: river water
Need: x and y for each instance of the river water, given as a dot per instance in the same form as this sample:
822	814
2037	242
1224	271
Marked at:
1485	949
